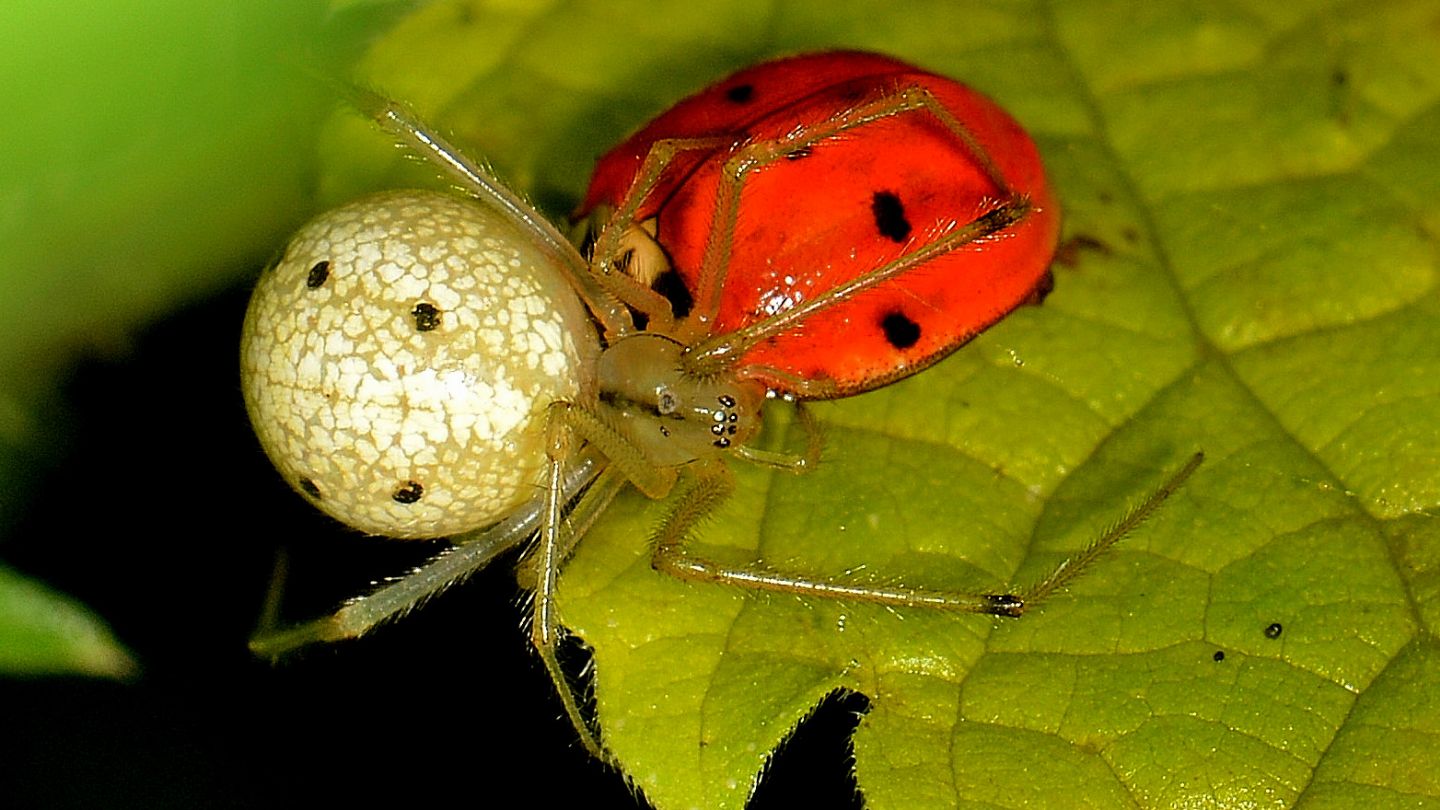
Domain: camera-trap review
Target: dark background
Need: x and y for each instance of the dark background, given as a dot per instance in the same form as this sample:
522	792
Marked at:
164	517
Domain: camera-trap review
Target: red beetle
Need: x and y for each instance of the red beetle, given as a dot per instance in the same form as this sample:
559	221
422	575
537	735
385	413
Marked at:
767	191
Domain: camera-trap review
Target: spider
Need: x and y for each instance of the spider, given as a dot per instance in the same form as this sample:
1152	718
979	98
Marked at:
418	363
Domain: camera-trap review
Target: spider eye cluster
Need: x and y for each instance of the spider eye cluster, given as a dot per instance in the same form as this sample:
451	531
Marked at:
674	416
727	421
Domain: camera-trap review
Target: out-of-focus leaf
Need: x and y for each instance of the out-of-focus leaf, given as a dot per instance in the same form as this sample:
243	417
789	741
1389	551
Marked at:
153	153
45	633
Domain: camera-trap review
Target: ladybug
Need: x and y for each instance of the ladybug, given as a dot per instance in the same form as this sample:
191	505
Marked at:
420	364
772	188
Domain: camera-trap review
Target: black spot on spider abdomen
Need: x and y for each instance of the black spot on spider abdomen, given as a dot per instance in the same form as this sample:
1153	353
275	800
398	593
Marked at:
900	331
409	492
889	215
427	317
317	275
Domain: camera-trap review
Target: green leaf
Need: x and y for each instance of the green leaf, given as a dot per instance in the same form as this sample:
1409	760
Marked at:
1250	191
44	633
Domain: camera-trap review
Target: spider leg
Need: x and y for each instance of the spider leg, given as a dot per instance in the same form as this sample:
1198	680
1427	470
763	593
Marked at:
803	462
481	183
617	236
470	553
714	482
556	543
793	385
1066	572
573	429
711	353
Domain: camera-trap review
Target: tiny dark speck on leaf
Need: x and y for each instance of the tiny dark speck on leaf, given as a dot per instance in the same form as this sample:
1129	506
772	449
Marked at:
1069	252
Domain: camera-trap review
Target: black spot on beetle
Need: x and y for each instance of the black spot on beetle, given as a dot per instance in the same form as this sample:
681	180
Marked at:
889	215
318	274
1273	631
308	487
740	93
900	331
427	317
409	492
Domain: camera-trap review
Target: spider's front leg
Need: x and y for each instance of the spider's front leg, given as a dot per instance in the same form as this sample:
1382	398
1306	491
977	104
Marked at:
626	258
573	431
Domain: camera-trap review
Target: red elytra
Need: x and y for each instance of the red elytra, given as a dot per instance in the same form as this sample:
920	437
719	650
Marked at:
841	207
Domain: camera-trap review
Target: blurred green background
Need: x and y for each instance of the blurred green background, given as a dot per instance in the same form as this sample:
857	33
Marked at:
149	148
153	156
